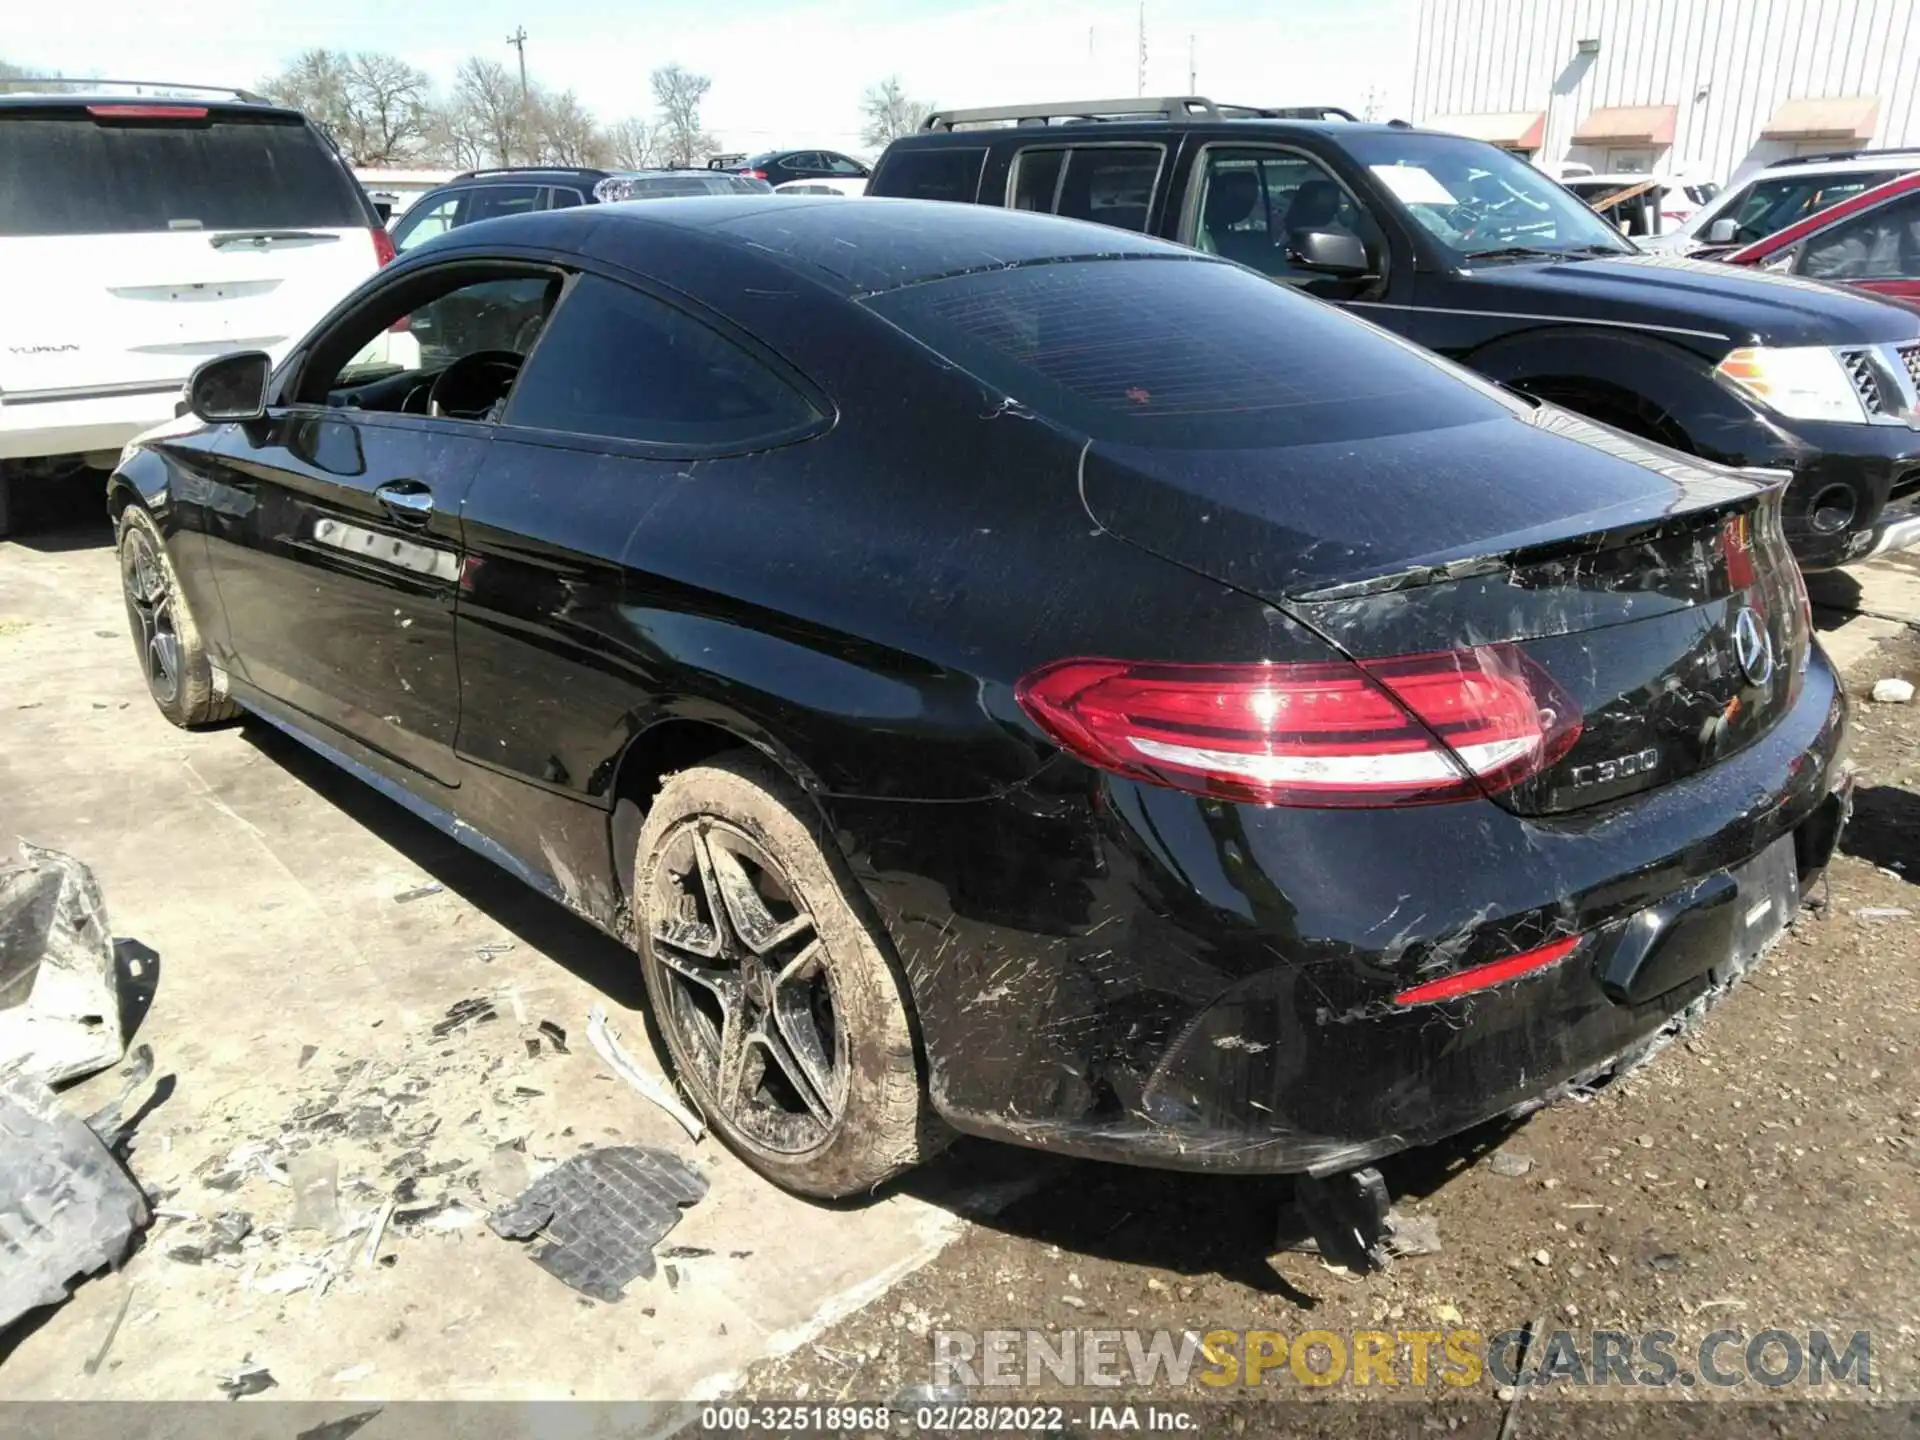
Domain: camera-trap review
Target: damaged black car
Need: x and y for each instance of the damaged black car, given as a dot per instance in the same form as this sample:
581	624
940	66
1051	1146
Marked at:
1008	676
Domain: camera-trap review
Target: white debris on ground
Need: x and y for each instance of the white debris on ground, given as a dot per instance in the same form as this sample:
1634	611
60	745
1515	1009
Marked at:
1892	691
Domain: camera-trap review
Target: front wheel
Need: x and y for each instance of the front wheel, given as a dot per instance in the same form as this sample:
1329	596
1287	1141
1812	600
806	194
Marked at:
179	675
786	1020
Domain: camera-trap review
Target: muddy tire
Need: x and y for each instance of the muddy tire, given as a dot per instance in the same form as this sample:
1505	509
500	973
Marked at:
775	989
167	642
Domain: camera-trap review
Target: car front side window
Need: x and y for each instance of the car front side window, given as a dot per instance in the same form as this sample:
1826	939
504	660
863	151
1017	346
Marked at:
426	220
1883	243
1253	202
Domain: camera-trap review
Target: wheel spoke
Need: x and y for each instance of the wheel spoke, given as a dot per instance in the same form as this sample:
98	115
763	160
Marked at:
723	983
165	651
806	963
752	921
738	1070
710	888
798	1051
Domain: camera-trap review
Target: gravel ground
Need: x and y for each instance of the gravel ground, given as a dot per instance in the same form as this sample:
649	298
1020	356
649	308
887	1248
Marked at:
1762	1174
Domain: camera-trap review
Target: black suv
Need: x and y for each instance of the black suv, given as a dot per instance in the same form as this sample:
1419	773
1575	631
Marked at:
1468	250
519	190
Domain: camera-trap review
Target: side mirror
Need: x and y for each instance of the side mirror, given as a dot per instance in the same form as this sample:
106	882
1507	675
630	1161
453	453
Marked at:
1723	231
1331	252
230	387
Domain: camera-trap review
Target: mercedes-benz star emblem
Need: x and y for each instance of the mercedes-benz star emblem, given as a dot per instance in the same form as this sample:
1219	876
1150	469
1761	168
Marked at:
1753	647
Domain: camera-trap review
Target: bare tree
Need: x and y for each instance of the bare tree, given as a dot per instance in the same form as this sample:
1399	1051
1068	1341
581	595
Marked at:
315	82
887	113
634	144
388	106
488	101
678	92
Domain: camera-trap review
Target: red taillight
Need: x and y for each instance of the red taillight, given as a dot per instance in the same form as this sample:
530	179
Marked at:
147	112
1412	730
756	174
383	250
1494	972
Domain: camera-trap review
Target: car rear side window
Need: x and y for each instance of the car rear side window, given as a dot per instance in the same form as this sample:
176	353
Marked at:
67	171
620	364
1184	354
945	174
1108	184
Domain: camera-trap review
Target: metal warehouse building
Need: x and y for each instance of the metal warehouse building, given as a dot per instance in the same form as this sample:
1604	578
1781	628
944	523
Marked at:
1713	87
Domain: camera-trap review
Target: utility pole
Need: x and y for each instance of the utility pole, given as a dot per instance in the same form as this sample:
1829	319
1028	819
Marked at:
519	42
1140	79
1193	69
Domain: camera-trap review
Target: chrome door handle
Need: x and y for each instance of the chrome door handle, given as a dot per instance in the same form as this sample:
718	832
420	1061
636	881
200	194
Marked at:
406	500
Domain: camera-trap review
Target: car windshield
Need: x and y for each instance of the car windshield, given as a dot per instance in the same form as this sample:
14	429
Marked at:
1477	200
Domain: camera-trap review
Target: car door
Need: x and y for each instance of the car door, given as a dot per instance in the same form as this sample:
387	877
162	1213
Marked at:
633	420
338	555
1247	203
1878	249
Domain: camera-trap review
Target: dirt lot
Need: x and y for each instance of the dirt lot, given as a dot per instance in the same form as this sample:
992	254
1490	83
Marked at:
308	937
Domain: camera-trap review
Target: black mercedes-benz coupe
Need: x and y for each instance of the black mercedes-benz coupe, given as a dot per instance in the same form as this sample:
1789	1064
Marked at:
1009	676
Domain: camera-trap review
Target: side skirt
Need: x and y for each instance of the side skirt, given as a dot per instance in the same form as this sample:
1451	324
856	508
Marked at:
442	819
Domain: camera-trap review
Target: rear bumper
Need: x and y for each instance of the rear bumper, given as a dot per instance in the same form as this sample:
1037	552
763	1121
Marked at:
35	424
1144	976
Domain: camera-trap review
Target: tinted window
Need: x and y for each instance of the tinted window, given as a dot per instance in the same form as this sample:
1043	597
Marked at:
490	202
1036	179
1883	243
935	174
1190	354
841	165
1252	201
1109	185
618	363
564	199
64	172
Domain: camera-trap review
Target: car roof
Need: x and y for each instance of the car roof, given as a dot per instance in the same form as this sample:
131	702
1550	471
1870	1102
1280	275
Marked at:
1156	125
1845	165
888	243
521	174
1820	219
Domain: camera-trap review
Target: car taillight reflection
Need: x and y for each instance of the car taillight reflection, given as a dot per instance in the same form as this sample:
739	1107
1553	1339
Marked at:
1409	730
383	251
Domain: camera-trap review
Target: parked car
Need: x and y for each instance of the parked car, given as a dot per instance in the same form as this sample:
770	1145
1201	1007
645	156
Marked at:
1091	789
1783	194
1471	251
519	190
822	187
777	167
139	235
1641	206
1871	242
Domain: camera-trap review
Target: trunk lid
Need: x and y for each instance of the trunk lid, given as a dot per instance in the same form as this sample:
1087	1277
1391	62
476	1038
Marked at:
1659	596
140	239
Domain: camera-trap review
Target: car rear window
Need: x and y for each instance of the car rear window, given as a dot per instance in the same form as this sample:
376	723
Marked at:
949	174
1181	353
66	172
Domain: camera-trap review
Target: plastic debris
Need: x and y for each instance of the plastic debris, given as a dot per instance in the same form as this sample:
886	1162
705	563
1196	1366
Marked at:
67	1206
380	1219
249	1379
476	1011
556	1037
606	1041
59	984
419	892
316	1183
599	1214
1882	912
1892	691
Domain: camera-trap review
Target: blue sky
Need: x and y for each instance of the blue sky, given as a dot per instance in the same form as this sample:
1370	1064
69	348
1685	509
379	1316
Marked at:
787	73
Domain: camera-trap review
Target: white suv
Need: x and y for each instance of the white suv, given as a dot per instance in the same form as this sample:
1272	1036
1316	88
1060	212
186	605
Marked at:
140	234
1774	198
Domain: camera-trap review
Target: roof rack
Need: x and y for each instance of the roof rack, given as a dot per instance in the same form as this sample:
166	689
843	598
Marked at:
87	85
1833	155
531	170
1166	107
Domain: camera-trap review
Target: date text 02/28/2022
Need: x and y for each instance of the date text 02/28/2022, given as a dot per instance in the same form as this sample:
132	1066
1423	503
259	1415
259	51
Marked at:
948	1419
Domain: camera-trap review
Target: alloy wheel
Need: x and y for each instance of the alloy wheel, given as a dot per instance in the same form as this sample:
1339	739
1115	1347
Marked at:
752	1003
150	607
